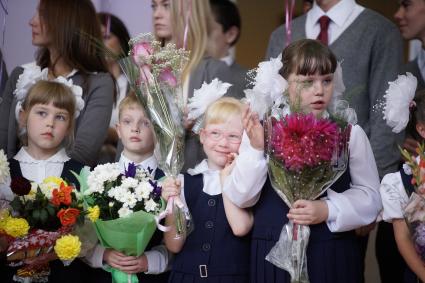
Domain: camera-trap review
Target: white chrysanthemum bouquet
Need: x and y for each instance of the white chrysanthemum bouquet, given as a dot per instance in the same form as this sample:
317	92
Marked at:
123	207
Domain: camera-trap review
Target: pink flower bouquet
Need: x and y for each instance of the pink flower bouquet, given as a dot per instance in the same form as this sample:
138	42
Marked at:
306	155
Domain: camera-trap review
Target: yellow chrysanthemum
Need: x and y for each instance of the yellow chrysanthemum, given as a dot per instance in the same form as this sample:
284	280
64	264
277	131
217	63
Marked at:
68	247
94	213
54	182
16	227
4	216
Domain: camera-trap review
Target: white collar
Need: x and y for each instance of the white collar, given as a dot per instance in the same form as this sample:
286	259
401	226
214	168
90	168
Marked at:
150	163
212	184
228	60
338	13
24	157
34	64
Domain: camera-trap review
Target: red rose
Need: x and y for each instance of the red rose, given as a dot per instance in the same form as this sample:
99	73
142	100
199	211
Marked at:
68	216
20	186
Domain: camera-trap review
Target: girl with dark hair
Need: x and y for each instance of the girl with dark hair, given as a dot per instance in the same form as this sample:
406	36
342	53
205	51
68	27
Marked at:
352	201
60	28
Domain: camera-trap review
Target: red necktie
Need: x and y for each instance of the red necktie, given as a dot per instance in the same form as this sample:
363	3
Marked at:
324	24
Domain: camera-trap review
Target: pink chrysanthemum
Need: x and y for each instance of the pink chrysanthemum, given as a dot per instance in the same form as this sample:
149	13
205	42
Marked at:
301	140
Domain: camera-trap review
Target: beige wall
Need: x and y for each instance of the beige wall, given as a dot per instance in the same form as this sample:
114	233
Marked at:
260	18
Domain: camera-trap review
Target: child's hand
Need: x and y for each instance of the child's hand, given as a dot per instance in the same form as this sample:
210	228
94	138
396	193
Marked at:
228	167
254	129
306	212
170	187
127	264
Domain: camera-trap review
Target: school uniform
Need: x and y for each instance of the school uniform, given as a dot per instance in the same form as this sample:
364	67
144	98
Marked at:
211	253
157	255
333	250
396	189
23	165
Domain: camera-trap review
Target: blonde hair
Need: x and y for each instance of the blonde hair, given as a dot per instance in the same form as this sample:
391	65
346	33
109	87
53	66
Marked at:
129	101
198	30
45	92
223	109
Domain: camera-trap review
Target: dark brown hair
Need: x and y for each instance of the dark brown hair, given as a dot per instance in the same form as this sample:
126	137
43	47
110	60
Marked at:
118	28
417	115
307	57
70	24
44	92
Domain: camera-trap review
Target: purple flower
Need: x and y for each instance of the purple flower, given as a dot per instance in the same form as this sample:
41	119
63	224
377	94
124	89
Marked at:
130	172
156	192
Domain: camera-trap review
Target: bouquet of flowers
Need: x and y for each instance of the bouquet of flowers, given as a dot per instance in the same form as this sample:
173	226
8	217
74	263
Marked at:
123	207
154	72
42	218
306	155
414	211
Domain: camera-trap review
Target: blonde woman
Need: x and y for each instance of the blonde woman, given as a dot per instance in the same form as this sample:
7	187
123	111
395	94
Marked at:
201	67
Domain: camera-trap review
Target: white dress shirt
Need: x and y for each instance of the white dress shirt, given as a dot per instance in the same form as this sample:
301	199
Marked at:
342	15
158	257
37	170
229	59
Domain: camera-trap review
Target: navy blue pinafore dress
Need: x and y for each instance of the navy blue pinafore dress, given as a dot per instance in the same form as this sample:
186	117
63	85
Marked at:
211	252
331	257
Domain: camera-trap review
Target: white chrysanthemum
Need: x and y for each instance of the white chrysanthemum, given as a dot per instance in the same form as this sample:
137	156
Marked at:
102	173
129	183
124	211
4	168
150	205
203	97
398	97
143	190
129	200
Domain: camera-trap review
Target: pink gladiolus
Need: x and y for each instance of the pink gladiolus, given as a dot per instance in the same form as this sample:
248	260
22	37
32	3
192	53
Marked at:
168	77
301	141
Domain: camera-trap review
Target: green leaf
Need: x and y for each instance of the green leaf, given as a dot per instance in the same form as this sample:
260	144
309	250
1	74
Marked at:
36	215
51	210
44	215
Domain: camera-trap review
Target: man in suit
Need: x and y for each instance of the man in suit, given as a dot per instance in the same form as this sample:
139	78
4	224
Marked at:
226	30
371	51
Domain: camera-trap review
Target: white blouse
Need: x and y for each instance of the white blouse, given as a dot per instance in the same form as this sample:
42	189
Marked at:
357	206
37	170
394	197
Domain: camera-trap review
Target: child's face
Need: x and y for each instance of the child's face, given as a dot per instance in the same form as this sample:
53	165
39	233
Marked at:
47	126
312	93
135	131
221	139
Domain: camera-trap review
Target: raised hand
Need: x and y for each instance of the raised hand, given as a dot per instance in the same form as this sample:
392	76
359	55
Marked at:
253	129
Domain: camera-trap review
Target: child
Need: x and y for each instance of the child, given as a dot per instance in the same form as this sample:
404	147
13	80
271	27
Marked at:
46	121
136	133
218	248
352	201
396	189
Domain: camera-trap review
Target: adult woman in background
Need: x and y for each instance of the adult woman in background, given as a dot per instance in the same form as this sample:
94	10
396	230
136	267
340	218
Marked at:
115	38
169	20
61	29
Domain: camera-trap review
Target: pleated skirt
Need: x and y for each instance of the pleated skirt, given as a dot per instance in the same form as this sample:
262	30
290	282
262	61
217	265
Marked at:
180	277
